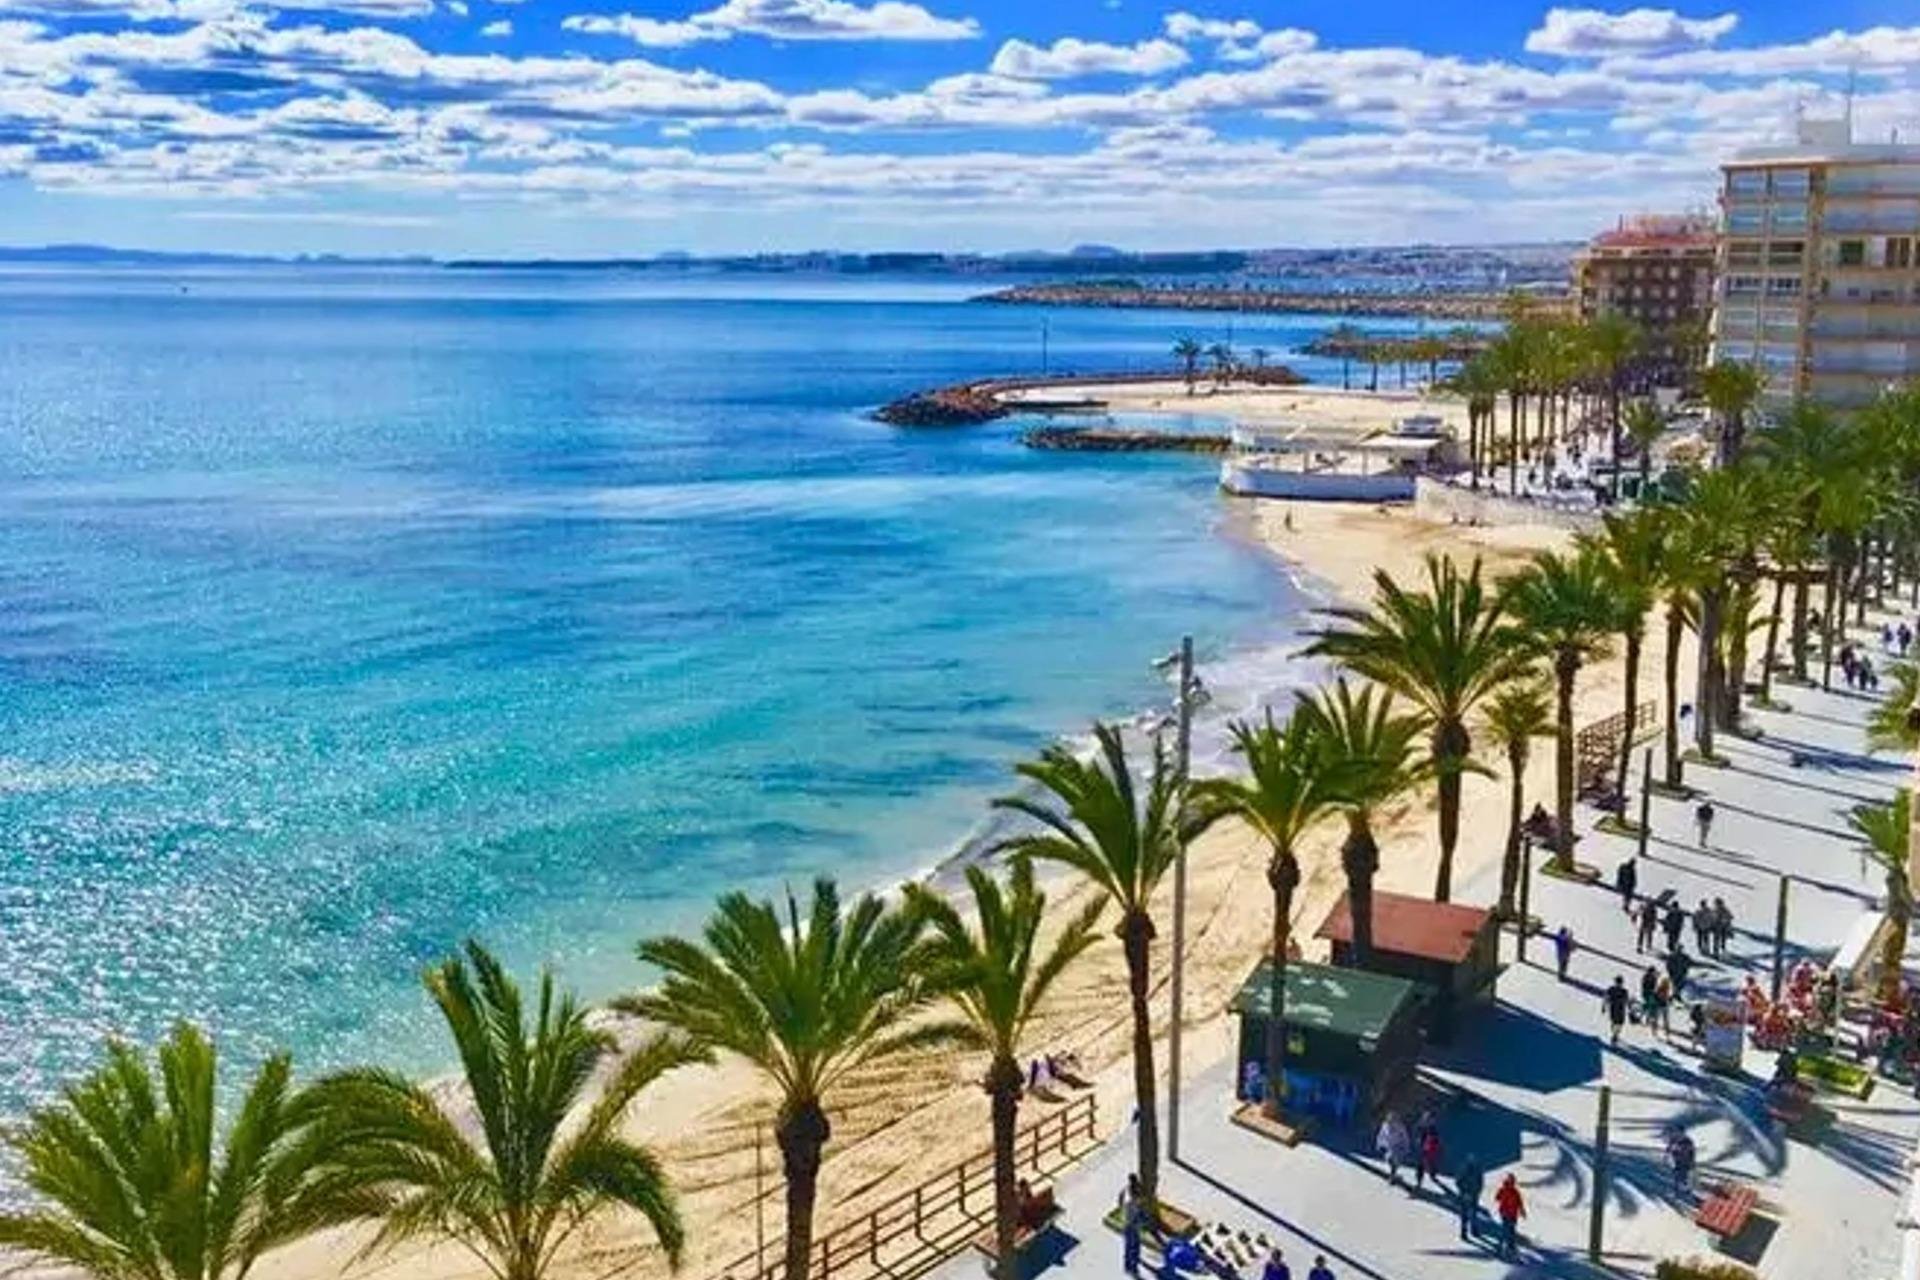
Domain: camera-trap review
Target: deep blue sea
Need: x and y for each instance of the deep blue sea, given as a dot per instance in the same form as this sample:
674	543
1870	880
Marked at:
346	614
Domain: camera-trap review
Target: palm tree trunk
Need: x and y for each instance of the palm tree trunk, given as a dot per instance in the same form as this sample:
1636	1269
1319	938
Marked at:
802	1133
1513	442
1566	665
1510	859
1799	641
1826	622
1636	638
1706	693
1283	877
1451	747
1360	858
1737	632
1670	671
1136	935
1003	1089
1613	435
1773	639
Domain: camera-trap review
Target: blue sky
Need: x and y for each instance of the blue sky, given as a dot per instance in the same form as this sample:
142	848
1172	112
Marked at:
603	127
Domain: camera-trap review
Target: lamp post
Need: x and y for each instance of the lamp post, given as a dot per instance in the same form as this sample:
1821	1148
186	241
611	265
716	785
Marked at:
1526	893
1183	749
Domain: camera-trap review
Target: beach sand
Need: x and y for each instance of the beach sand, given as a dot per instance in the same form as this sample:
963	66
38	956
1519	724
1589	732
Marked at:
908	1120
1325	410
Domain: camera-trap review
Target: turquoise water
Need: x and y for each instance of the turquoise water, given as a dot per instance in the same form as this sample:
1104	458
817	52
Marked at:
345	615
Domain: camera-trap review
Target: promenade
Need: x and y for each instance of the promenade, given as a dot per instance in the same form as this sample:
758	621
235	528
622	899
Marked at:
1520	1087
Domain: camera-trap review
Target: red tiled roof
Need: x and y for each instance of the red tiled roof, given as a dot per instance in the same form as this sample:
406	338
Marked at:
1412	926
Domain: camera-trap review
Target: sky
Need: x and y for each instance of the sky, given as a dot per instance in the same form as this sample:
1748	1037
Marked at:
633	127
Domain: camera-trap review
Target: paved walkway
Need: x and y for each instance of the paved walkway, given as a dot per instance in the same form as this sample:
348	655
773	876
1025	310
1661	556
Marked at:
1522	1086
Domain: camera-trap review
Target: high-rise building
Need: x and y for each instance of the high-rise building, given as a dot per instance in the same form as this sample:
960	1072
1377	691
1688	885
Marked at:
1819	280
1657	270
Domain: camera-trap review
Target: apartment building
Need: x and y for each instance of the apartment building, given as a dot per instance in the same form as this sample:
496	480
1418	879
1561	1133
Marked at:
1657	270
1819	280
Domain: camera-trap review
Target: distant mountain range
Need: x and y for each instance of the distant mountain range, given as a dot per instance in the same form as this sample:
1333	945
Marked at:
1477	266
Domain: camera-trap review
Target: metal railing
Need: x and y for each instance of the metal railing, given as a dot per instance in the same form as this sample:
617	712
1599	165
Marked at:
918	1229
1597	748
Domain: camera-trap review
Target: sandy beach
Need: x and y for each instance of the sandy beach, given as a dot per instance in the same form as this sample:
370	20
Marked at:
1324	410
909	1119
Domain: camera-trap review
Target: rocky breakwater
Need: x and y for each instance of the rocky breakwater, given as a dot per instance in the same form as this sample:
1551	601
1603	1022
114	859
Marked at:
1108	440
1431	306
959	406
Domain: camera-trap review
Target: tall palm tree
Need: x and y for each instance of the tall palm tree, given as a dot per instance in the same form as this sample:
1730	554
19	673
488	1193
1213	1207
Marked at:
1634	550
1515	716
806	1001
1895	726
1722	520
1288	788
1730	389
1821	459
1372	757
1188	353
1123	841
545	1163
1222	356
995	976
1612	341
1443	648
1566	607
1886	836
1344	339
1644	424
133	1185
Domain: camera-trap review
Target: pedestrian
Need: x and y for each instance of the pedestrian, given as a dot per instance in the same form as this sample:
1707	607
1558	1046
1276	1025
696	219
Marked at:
1679	964
1467	1185
1563	950
1675	921
1626	879
1429	1166
1663	1005
1616	1001
1703	821
1512	1208
1253	1083
1133	1220
1703	919
1680	1150
1886	637
1722	927
1649	984
1276	1268
1869	677
1649	921
1906	639
1321	1271
1393	1144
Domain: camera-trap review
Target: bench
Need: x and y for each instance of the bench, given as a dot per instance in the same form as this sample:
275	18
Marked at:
1725	1212
1024	1235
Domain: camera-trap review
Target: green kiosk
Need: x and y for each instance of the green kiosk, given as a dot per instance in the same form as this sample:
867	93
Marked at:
1353	1037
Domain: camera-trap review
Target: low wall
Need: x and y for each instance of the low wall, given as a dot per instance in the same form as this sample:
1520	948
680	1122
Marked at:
1441	502
1237	477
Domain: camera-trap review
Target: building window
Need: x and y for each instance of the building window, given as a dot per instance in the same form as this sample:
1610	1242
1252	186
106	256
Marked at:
1790	218
1745	221
1747	182
1791	182
1853	253
1900	251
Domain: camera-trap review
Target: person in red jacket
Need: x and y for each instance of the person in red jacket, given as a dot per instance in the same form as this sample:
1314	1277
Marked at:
1512	1208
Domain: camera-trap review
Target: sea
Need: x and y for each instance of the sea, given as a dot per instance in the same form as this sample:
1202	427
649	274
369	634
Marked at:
346	614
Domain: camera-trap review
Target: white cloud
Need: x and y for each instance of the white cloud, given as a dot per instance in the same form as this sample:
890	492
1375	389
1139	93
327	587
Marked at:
1184	26
1238	39
1594	33
1070	58
1877	50
499	29
782	20
211	10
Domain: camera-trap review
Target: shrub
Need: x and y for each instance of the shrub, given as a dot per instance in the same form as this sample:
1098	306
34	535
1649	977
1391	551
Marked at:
1701	1269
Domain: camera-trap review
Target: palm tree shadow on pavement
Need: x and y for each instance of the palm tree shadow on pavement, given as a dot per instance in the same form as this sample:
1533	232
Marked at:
1514	1046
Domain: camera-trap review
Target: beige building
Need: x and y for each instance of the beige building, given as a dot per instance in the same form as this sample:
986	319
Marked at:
1819	284
1657	270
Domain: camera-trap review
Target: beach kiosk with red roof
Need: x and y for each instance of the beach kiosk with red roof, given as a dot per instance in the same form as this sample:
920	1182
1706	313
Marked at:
1451	950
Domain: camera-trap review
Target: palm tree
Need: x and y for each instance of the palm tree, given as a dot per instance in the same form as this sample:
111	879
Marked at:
1644	424
805	1001
1611	341
1260	355
1442	648
545	1162
1222	356
1730	390
1721	522
1515	716
1895	726
1371	758
132	1187
1288	788
1123	842
1566	607
1344	339
1886	836
1188	353
1634	549
995	977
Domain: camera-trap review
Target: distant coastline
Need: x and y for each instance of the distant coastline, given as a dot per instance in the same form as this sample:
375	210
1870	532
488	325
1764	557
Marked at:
1428	306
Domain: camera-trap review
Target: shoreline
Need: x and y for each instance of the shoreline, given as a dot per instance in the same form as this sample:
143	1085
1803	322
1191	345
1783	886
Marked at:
1136	297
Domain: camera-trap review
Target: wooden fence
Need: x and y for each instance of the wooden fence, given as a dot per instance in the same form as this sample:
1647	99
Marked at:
1597	748
918	1229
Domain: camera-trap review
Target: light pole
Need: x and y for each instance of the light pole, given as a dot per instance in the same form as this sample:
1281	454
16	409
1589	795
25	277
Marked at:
1183	747
1596	1217
1526	894
1780	938
1646	802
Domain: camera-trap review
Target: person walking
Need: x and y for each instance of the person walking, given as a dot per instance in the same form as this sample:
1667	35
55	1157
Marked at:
1722	927
1679	965
1563	950
1681	1152
1511	1207
1703	919
1429	1166
1663	1005
1321	1271
1703	821
1394	1144
1649	985
1467	1186
1133	1225
1626	879
1616	1000
1276	1268
1673	922
1649	921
